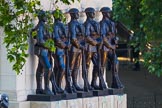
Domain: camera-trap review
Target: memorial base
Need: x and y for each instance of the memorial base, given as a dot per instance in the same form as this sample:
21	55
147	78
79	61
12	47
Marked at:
109	91
115	91
109	101
100	92
85	94
68	96
41	97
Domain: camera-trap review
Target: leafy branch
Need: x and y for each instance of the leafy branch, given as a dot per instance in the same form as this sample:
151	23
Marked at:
144	18
17	17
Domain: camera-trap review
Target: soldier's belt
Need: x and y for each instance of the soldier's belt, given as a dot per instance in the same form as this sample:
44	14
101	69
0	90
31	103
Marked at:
94	33
95	36
80	37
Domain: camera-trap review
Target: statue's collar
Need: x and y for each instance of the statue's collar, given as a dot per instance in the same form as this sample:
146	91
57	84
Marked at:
90	19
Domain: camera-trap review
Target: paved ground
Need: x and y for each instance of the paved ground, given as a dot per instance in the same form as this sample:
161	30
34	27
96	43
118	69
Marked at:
138	83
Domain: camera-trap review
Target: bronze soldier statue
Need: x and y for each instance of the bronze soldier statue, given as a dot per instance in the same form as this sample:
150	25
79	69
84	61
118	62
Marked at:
60	39
76	36
92	34
109	32
105	34
43	54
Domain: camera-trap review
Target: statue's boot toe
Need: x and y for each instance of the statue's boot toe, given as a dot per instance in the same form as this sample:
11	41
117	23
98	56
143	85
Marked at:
69	90
78	88
96	87
60	90
90	88
39	91
86	89
102	86
47	91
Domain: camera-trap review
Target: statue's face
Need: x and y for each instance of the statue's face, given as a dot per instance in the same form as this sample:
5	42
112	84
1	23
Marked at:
107	14
91	14
75	15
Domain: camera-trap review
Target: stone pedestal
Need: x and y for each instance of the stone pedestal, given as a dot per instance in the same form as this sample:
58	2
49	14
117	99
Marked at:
90	102
110	101
75	103
56	104
24	104
106	101
120	101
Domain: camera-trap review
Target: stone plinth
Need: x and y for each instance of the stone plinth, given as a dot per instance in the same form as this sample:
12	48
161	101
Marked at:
106	101
56	104
109	101
90	102
120	101
25	104
75	103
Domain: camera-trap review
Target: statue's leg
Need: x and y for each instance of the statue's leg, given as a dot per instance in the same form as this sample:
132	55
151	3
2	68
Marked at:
47	75
76	71
55	87
117	72
95	71
88	61
62	70
103	66
56	67
39	75
116	83
84	72
69	86
52	79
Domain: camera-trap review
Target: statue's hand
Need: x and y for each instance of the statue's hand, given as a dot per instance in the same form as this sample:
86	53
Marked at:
67	47
113	47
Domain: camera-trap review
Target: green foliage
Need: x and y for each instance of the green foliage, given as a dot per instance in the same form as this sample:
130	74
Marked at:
68	2
16	17
50	45
59	15
153	60
144	17
16	20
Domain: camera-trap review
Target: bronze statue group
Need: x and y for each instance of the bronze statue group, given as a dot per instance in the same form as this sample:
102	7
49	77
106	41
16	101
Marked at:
76	43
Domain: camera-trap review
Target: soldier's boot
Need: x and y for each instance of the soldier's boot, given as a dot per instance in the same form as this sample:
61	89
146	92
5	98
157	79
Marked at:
94	79
47	76
116	83
59	80
86	83
69	88
55	88
74	78
102	84
39	89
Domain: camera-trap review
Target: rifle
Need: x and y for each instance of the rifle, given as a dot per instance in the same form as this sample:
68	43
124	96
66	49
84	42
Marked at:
84	71
100	69
68	71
